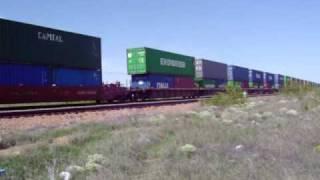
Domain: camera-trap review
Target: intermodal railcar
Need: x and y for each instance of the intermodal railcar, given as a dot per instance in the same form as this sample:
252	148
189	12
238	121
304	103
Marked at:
41	64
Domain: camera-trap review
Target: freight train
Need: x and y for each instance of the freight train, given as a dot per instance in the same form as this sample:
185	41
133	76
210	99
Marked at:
40	64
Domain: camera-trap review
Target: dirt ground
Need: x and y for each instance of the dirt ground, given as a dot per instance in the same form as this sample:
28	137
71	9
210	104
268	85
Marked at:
9	125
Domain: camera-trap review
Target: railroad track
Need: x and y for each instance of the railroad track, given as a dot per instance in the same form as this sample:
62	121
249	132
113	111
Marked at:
83	108
55	110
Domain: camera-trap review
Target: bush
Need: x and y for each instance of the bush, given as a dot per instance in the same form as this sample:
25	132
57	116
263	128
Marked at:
233	95
295	89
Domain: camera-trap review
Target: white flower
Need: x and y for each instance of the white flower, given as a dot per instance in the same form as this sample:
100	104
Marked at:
65	175
292	112
239	147
188	148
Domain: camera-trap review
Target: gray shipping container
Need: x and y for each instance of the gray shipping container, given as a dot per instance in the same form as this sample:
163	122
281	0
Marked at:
206	69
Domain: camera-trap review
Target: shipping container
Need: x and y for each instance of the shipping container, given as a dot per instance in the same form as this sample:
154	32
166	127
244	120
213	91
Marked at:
205	83
184	82
236	73
241	84
158	81
245	84
256	76
23	43
152	81
211	83
23	75
219	83
276	81
293	81
256	85
287	80
206	69
308	83
255	79
305	83
279	81
152	61
269	80
76	77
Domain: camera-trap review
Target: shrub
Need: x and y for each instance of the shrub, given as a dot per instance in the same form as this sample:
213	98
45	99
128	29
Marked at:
233	95
295	89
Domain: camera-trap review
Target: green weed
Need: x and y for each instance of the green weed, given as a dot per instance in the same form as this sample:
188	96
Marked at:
233	95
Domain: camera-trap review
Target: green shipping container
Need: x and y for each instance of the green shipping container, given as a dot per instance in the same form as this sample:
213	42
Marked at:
22	43
287	80
152	61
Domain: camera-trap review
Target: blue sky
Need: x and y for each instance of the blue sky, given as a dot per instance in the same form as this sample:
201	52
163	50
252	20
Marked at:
278	36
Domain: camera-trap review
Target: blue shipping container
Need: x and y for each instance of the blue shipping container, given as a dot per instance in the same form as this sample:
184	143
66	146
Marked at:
220	83
152	81
236	73
280	80
256	76
23	75
76	77
269	79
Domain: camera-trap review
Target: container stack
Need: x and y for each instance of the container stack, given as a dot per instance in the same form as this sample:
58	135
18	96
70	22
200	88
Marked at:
287	80
269	80
238	76
255	79
294	81
210	74
151	68
37	56
279	81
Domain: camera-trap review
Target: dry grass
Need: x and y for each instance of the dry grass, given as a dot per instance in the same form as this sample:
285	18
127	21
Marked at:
267	138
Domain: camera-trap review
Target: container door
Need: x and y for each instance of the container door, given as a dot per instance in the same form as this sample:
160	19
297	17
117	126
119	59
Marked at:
230	73
199	69
136	61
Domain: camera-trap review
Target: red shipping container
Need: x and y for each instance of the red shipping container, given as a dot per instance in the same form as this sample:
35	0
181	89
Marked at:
267	86
183	82
245	84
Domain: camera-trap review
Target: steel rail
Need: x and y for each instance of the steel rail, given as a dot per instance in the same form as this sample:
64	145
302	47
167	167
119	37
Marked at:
84	108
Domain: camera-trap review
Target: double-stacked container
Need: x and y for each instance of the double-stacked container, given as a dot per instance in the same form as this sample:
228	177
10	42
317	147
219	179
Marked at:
238	76
269	80
40	56
151	68
255	79
210	74
44	64
279	81
293	81
287	80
